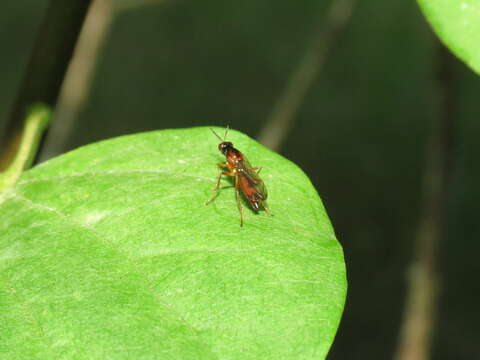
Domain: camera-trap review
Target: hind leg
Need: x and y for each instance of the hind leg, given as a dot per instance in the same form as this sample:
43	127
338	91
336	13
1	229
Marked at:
239	202
266	210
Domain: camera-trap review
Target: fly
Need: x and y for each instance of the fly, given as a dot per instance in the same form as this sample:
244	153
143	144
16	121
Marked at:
246	179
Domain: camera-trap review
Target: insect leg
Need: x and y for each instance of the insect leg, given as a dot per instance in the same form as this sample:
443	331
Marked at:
257	169
216	190
239	202
221	165
220	176
266	209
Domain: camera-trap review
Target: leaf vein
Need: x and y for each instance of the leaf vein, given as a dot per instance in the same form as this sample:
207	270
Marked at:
133	263
113	173
28	312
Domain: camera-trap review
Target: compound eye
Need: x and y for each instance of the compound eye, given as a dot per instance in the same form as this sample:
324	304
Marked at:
224	146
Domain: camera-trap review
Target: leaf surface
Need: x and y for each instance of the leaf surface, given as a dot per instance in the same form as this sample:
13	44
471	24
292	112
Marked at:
457	23
109	252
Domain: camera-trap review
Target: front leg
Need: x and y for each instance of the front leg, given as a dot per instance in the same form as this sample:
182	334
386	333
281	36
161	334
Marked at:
217	186
221	165
257	169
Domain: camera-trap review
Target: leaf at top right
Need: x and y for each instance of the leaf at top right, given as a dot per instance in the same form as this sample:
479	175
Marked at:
457	23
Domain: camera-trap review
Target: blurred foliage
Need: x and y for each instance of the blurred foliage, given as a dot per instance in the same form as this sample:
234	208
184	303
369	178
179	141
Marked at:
360	136
457	23
19	23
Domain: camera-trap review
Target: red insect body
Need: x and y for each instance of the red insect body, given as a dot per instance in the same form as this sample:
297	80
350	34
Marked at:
245	176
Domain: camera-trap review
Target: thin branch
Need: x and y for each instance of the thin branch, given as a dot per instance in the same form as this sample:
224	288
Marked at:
303	77
48	61
79	76
124	5
419	318
82	70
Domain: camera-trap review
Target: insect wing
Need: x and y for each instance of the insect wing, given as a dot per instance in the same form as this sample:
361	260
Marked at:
250	183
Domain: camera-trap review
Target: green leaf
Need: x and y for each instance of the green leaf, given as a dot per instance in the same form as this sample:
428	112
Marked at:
457	23
109	252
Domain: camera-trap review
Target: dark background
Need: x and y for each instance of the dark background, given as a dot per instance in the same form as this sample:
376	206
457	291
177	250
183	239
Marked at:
361	133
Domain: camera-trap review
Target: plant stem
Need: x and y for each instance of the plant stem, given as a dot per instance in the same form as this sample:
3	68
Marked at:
36	122
303	77
48	62
419	318
78	78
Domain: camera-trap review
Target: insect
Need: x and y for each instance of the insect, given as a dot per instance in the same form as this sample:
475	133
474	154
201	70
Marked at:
246	179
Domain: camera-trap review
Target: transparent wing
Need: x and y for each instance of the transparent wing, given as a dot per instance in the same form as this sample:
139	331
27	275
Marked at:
250	183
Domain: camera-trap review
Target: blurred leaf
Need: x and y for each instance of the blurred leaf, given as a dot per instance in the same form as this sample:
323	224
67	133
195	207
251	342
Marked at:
109	252
457	23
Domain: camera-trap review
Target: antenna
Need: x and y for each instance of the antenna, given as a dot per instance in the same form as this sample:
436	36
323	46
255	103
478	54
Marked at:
214	133
226	131
224	136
